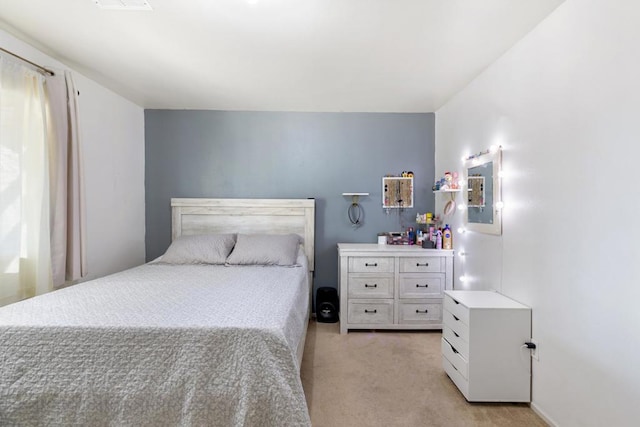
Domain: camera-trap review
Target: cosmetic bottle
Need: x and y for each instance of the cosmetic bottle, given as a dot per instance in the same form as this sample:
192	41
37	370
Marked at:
438	239
447	238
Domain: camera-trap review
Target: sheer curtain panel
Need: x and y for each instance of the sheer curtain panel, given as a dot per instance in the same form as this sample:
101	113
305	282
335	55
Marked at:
25	254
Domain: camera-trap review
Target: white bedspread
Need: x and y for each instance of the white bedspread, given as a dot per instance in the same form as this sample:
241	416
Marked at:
158	345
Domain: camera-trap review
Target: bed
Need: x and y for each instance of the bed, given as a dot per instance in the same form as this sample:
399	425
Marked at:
167	343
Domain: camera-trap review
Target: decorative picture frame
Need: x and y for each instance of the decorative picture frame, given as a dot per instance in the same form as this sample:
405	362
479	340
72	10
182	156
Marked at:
397	192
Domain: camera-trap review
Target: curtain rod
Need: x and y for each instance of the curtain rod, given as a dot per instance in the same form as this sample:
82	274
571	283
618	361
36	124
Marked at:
39	67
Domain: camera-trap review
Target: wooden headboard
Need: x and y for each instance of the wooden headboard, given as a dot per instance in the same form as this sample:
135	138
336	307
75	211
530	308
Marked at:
249	216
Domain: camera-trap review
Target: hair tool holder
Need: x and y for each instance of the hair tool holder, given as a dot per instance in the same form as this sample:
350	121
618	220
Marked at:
355	212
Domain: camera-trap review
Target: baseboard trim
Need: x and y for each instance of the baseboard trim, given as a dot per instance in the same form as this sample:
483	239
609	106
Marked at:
543	415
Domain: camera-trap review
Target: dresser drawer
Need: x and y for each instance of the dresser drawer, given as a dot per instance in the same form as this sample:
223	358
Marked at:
370	265
456	340
455	358
421	285
367	286
370	311
419	313
421	265
458	310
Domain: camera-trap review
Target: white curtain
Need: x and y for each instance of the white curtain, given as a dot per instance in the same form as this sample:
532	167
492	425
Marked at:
67	189
42	221
25	254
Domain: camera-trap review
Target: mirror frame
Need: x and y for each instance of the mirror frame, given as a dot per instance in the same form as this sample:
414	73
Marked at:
480	159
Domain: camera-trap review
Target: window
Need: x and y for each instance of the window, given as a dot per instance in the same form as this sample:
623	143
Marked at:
24	225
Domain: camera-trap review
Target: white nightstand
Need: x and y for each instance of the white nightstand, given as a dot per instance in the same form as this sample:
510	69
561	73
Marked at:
482	341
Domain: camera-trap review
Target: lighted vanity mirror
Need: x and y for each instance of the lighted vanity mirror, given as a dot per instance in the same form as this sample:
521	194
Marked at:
397	192
483	192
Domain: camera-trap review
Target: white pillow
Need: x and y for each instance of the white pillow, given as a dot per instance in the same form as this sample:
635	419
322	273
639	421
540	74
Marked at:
200	249
265	249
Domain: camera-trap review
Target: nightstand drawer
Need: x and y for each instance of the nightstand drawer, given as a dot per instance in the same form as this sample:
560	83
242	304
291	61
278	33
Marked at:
419	313
456	340
455	358
456	326
370	265
455	376
421	265
426	285
455	323
370	311
459	311
367	286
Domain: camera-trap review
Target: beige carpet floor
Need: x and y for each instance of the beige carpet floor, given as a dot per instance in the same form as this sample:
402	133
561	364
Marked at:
390	378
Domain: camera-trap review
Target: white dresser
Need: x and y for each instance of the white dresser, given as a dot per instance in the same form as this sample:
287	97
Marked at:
482	346
392	287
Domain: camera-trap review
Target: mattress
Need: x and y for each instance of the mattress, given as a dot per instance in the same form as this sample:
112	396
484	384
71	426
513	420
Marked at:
159	345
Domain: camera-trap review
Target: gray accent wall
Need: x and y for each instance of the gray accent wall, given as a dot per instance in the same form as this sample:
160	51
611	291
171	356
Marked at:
193	153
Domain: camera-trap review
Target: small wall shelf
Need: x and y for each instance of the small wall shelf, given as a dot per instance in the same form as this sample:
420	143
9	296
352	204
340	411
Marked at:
354	196
452	192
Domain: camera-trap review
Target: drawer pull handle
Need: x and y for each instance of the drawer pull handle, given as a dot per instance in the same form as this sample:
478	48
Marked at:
366	285
456	334
454	349
426	264
370	311
366	264
454	316
421	286
455	301
422	311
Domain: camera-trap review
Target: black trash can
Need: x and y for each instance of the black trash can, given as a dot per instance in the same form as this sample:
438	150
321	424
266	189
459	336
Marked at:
327	305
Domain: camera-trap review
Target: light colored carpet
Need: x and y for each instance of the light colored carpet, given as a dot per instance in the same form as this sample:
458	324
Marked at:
389	378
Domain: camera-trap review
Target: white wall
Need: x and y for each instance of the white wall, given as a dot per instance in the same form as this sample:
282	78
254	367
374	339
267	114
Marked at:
112	132
565	105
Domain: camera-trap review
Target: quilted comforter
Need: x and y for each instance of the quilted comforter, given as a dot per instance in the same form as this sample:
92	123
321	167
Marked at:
158	345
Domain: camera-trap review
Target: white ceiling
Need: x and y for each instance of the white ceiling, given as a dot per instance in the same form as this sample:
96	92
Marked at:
279	55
